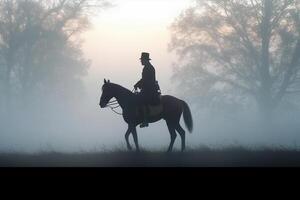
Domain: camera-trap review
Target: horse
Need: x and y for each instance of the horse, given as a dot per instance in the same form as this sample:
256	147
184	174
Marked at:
172	110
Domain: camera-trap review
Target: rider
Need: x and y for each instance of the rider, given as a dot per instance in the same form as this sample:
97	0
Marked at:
149	88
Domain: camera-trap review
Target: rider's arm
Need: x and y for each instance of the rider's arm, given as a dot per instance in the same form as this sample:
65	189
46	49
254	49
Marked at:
138	84
144	77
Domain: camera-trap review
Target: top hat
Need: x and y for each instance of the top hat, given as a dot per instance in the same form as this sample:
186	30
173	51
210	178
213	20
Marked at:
145	56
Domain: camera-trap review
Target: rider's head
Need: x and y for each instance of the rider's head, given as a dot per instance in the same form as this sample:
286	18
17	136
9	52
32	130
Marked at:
145	58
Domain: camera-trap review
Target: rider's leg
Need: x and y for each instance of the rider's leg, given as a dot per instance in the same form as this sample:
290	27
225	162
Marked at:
145	117
145	111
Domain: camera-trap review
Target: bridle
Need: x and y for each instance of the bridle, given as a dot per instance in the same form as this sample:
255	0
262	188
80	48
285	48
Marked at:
113	105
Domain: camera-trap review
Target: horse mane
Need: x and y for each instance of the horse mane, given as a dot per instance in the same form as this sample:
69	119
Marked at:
120	88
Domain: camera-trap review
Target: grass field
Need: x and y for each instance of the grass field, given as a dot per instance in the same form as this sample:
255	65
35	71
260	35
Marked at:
201	157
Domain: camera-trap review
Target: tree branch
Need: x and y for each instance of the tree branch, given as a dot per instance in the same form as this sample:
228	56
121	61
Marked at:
292	68
244	36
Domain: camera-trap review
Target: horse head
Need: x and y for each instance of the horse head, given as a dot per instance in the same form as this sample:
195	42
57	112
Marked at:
106	94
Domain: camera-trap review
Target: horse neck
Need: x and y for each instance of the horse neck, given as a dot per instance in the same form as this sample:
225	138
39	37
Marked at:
122	95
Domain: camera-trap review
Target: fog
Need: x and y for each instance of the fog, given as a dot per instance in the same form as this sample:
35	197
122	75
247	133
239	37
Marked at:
62	112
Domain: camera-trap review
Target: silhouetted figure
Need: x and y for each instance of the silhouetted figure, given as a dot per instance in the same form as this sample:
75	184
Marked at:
149	94
170	109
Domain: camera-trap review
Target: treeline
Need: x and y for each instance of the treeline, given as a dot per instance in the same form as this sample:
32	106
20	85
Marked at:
40	50
238	53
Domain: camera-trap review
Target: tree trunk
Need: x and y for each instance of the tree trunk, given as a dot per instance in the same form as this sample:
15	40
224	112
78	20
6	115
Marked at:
7	83
26	78
265	101
266	108
265	116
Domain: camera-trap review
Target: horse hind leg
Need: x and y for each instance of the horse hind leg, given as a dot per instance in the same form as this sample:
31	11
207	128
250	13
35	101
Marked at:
181	132
173	136
127	139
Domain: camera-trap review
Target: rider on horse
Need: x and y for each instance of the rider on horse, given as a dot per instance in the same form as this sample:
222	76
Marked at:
149	94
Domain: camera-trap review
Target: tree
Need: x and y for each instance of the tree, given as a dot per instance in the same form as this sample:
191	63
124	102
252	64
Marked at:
239	50
40	46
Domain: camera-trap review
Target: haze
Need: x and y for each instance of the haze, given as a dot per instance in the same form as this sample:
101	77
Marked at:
113	44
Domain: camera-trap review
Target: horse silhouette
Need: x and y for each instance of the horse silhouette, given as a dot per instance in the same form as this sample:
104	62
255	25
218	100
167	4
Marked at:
172	110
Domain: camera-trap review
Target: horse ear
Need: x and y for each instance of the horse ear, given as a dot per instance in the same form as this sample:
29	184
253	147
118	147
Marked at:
105	81
108	81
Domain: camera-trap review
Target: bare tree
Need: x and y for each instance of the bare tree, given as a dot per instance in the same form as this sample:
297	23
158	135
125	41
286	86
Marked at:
239	50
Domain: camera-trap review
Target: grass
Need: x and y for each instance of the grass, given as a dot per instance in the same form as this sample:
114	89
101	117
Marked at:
233	156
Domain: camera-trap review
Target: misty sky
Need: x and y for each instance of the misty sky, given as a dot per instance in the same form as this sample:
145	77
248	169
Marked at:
121	33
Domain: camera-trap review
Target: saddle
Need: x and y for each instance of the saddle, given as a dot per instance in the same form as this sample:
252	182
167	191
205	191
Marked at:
154	110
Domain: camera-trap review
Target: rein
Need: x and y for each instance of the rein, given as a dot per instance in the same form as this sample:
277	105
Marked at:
113	105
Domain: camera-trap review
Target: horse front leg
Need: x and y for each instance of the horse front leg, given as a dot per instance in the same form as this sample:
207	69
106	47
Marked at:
127	138
135	138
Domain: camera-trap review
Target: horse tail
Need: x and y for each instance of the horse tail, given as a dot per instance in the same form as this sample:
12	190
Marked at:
187	116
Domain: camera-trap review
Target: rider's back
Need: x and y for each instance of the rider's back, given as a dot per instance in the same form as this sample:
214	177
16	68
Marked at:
149	79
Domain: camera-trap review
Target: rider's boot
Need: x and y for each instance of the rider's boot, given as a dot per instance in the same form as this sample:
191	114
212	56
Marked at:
145	117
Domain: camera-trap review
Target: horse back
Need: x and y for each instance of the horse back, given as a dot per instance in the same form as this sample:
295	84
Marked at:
167	103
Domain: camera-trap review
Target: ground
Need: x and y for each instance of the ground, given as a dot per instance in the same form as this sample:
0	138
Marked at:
202	157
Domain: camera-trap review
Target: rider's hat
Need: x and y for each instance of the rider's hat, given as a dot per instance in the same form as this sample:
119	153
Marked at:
145	56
